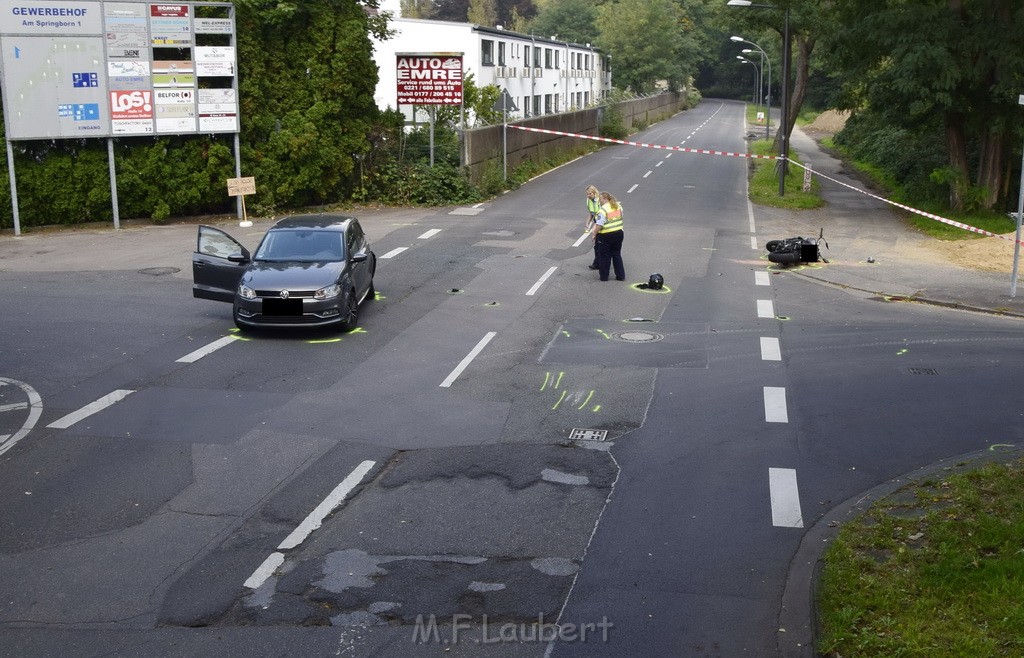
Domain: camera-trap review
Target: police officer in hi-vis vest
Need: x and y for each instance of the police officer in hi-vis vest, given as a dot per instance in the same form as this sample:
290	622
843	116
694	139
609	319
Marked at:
607	236
593	207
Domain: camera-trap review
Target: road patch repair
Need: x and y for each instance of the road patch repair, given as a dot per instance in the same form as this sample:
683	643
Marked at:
508	530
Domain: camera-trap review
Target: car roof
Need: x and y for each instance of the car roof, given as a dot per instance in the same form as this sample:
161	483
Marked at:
320	221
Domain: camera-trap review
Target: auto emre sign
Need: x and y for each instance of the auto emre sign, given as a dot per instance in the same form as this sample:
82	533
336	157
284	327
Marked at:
429	78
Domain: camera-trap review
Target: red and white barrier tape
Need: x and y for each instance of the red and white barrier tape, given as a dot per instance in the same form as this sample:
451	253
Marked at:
922	213
643	145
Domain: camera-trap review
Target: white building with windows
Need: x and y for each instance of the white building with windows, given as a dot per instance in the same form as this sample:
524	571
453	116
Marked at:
543	76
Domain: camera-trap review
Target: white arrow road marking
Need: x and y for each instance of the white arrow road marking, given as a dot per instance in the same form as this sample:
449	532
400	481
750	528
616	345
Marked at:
35	407
203	351
90	409
785	498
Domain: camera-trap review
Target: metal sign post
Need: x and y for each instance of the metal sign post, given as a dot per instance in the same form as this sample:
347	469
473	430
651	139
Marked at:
505	103
1020	211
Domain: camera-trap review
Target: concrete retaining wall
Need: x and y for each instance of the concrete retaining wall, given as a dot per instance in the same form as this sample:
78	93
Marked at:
483	145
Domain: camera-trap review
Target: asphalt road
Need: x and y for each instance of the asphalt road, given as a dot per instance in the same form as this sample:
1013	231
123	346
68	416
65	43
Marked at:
505	442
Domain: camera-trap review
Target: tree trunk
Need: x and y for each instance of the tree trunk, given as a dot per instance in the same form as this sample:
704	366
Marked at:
990	167
956	151
804	46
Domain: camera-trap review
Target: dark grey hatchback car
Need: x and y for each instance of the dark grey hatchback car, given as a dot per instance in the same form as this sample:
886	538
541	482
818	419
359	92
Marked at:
308	271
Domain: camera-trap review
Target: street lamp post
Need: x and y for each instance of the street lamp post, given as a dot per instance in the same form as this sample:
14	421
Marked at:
768	63
757	79
784	134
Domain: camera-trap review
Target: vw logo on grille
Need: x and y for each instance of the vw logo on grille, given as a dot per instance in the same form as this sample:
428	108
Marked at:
284	294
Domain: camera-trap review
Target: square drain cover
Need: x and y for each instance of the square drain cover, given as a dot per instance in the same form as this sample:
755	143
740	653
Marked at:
588	435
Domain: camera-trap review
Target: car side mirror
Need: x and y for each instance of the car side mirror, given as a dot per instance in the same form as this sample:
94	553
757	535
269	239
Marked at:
239	257
359	258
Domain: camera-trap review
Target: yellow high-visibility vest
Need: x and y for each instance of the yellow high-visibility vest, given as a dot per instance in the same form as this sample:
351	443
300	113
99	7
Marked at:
613	219
593	206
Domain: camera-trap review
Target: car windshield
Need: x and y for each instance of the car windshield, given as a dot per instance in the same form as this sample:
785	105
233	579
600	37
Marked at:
302	246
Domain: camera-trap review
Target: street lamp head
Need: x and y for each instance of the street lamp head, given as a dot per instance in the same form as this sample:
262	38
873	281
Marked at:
736	39
748	50
740	3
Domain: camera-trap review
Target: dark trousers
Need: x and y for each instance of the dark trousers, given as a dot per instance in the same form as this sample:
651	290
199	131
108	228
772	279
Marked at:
609	254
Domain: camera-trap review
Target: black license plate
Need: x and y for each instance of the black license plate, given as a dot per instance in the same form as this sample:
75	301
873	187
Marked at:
282	307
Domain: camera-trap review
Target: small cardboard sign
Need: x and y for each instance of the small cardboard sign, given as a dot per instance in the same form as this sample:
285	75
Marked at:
241	186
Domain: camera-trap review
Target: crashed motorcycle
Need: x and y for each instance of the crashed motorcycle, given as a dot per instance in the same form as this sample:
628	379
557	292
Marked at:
790	251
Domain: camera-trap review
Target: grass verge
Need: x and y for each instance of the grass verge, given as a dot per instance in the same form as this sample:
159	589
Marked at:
764	182
935	569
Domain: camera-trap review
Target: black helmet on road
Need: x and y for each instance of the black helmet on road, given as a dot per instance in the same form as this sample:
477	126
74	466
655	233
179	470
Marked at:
655	282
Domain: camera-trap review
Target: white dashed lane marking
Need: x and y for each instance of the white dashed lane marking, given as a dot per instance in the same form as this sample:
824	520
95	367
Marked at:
761	278
770	349
90	409
429	234
192	357
450	379
785	498
775	405
536	286
394	252
765	308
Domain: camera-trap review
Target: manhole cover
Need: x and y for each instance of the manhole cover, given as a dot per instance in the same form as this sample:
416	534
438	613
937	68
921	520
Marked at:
588	435
637	336
160	271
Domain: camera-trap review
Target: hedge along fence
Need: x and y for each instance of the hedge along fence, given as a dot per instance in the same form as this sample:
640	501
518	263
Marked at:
483	145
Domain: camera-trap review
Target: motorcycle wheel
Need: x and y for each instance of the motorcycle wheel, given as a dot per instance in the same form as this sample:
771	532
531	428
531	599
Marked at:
773	245
787	258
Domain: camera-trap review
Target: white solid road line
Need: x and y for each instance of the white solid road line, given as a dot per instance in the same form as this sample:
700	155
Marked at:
785	498
209	349
753	242
429	234
394	252
582	238
469	359
265	570
313	521
765	308
317	516
762	279
536	286
775	405
770	349
90	409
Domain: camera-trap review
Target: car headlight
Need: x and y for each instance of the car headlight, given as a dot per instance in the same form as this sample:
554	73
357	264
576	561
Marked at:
329	292
246	292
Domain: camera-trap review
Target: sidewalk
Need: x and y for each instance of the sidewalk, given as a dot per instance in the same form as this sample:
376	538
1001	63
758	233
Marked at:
906	263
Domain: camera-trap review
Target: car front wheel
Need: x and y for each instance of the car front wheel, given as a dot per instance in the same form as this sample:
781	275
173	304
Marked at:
350	315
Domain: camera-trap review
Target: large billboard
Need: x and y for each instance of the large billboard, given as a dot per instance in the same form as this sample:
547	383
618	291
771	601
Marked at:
92	68
429	78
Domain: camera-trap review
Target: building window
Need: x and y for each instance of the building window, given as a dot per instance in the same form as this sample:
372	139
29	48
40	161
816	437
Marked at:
487	52
526	106
556	102
501	53
557	62
536	57
547	103
526	55
536	104
547	58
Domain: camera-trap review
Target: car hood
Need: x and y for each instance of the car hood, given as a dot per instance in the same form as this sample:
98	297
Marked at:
263	275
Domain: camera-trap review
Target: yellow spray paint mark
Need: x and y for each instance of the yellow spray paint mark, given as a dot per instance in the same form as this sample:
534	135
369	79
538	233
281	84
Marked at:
596	408
560	398
1001	445
664	289
326	340
377	296
565	333
547	377
603	333
357	330
902	352
558	382
585	402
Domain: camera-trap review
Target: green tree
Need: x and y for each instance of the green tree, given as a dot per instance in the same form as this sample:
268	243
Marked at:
307	104
568	20
417	8
957	61
483	12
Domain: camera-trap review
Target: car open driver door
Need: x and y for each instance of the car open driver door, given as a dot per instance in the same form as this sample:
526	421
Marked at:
217	265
